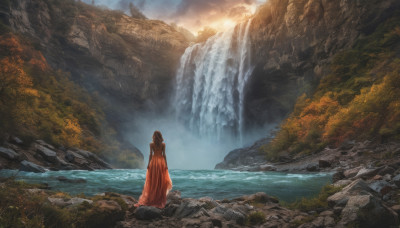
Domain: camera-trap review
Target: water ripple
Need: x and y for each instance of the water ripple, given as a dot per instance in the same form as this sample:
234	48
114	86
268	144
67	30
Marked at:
218	184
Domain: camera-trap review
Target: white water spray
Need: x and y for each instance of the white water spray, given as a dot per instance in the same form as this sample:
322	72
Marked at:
211	83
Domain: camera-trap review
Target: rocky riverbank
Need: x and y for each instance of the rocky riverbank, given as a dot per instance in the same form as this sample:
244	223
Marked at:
360	197
349	155
40	156
365	193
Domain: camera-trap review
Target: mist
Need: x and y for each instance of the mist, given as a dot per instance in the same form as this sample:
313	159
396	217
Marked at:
184	149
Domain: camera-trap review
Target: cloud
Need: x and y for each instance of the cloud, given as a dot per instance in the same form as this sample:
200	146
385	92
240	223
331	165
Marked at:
191	14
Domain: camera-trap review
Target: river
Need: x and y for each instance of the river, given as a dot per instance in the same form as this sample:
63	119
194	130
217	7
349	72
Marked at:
217	184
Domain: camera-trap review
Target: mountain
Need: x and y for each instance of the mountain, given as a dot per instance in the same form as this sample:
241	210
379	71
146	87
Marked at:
108	62
330	67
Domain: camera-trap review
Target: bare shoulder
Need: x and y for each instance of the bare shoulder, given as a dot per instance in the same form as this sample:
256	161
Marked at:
163	144
151	144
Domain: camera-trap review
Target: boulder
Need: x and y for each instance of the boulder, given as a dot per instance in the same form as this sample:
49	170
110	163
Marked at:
337	176
313	167
8	153
93	157
367	211
260	197
386	170
31	167
342	183
352	172
324	163
396	180
365	173
76	158
323	222
381	186
170	209
16	140
230	214
174	197
43	143
48	154
69	156
357	187
129	200
188	207
147	213
61	202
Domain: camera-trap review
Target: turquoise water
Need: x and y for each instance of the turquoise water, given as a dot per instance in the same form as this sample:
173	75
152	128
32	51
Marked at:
218	184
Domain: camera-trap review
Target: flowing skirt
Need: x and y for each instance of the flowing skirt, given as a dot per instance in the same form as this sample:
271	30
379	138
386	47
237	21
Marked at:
157	184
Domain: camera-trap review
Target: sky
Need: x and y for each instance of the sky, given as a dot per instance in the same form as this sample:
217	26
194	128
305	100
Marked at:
190	14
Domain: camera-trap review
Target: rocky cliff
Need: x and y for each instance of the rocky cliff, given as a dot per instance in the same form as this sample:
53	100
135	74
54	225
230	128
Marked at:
293	43
130	62
119	63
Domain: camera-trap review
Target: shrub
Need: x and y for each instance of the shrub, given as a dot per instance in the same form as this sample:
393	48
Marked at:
255	218
318	203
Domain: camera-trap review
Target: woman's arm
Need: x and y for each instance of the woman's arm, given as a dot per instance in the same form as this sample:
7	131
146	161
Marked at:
150	156
165	157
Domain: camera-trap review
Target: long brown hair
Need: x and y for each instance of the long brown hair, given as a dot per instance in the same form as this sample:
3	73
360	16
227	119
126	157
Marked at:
157	138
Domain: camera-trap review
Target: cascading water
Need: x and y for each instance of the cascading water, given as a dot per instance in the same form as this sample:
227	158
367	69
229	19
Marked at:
210	83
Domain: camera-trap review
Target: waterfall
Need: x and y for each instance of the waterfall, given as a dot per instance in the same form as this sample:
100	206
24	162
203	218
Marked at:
210	83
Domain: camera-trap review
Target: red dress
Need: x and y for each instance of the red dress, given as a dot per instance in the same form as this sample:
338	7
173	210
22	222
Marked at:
157	184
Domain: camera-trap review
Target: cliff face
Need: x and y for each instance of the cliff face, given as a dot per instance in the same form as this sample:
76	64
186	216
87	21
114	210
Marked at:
294	41
130	61
125	64
298	44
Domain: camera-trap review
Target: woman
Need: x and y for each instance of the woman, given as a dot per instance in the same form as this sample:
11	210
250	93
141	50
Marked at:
158	183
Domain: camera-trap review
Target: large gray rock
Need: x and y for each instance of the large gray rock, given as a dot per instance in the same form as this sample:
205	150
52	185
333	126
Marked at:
43	143
352	172
188	207
357	187
8	153
365	173
245	157
230	214
381	186
367	211
147	213
93	157
31	167
48	154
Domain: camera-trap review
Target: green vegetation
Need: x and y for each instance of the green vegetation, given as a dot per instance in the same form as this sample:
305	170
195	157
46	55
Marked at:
319	203
358	100
255	218
37	102
22	208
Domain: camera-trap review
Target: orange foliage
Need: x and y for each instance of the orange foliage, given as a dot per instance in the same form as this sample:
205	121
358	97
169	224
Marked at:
11	45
